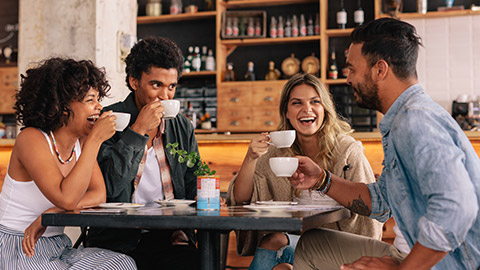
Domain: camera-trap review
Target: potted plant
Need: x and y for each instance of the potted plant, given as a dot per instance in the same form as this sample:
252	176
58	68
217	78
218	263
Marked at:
208	184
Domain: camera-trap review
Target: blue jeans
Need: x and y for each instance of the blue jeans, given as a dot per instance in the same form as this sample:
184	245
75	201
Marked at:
266	259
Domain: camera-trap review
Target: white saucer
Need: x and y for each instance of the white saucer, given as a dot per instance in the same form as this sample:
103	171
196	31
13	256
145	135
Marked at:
275	203
120	205
175	202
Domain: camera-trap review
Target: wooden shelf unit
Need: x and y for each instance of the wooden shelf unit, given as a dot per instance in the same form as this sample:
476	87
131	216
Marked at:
268	41
227	46
203	73
176	17
429	14
328	36
262	3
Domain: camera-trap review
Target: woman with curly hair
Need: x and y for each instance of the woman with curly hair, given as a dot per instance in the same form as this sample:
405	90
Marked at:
53	166
306	106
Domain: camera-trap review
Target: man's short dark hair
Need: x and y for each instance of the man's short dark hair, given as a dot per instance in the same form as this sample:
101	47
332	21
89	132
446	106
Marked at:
150	52
392	40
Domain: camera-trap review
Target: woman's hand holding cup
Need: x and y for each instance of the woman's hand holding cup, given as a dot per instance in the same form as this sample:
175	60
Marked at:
258	146
104	127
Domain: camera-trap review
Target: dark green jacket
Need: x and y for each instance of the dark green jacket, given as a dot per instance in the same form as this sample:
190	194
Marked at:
119	158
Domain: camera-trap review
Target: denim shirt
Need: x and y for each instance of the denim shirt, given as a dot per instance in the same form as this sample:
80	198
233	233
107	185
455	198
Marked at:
430	181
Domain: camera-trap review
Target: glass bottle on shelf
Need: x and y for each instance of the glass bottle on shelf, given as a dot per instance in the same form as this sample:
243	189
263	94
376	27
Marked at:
187	65
422	6
229	74
303	26
310	27
208	5
280	29
153	8
210	62
250	28
228	28
203	58
273	27
258	28
273	73
175	6
294	26
332	69
345	67
342	16
235	27
358	15
317	25
191	114
241	27
250	75
197	61
288	27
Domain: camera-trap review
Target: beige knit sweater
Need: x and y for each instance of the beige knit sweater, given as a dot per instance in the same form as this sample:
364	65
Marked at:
269	187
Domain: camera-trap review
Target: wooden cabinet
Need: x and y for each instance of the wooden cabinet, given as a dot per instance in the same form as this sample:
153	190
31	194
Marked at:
8	87
249	106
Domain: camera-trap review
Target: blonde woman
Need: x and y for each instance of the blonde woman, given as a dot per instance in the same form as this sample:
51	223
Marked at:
307	107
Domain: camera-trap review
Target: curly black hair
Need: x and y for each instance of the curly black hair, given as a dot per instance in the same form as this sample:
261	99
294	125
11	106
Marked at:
47	90
150	52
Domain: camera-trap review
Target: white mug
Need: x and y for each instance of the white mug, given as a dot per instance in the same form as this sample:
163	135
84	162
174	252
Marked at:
172	107
283	166
282	139
122	120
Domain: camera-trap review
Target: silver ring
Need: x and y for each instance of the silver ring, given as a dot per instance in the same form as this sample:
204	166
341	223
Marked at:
27	236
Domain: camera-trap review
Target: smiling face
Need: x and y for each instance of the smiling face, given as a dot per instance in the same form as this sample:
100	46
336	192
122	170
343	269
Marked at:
85	112
305	110
159	83
360	79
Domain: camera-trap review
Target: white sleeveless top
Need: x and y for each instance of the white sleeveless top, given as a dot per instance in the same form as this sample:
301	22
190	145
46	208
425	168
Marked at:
22	202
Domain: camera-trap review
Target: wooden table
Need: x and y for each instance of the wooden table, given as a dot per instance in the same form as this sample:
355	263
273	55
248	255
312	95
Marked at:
209	224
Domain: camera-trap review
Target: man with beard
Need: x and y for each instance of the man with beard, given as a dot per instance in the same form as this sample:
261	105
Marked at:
430	182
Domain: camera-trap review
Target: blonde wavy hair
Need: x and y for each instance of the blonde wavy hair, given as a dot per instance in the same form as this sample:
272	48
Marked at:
332	125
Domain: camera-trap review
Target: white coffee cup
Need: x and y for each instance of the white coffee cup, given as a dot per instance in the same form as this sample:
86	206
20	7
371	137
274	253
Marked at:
122	120
283	166
172	107
282	139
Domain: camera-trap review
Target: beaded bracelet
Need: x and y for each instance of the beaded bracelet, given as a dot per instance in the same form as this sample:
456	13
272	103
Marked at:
328	184
319	182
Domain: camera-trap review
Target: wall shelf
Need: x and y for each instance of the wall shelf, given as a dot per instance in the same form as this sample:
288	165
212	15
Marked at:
176	17
338	32
236	83
435	14
199	74
268	41
336	81
263	3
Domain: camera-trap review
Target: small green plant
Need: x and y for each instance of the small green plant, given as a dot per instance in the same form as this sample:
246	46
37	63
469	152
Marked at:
191	158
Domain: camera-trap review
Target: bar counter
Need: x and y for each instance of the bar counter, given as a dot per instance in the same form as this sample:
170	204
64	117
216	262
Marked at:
224	153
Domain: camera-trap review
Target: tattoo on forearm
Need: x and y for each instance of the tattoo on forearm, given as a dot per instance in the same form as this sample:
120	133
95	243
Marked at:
358	206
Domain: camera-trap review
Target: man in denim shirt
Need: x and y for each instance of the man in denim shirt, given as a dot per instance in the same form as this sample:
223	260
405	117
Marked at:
430	182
